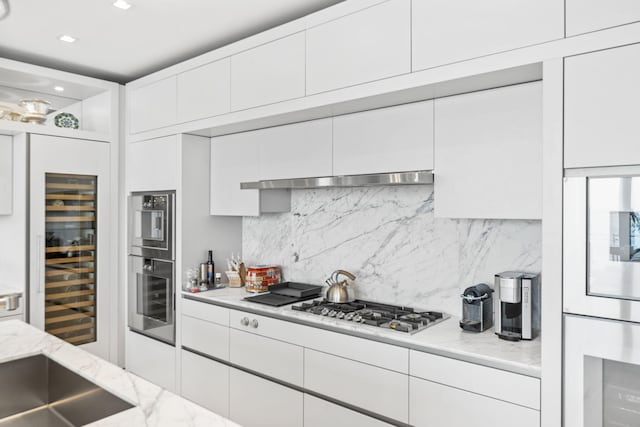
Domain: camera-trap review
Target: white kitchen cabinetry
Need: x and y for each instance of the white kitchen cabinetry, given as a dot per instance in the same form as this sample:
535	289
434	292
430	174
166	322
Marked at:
269	73
256	402
391	139
488	154
235	159
375	389
450	31
216	343
6	175
591	15
433	404
153	106
205	382
299	150
277	359
321	413
601	93
372	44
204	91
152	164
152	360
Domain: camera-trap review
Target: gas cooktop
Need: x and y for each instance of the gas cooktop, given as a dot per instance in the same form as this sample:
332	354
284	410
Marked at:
403	319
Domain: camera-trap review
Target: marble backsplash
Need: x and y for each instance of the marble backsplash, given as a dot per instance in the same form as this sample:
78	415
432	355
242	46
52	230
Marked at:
389	238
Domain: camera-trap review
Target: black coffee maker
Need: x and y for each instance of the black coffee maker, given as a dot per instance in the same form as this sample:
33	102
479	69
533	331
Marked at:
477	308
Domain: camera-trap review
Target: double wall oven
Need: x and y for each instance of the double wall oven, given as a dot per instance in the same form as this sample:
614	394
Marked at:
151	281
601	297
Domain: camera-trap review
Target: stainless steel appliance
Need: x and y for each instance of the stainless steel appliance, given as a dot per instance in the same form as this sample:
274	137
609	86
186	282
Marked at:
397	318
151	226
151	308
517	303
477	308
601	297
602	243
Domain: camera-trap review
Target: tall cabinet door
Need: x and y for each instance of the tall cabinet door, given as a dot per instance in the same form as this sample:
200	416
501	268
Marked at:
70	229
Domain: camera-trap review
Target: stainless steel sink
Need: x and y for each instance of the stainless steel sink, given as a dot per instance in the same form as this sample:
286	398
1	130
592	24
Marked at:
36	391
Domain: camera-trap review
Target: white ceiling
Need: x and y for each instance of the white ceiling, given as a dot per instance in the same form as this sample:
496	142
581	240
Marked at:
121	46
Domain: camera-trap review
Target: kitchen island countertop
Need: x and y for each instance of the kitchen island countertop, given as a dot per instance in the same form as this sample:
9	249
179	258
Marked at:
153	406
444	339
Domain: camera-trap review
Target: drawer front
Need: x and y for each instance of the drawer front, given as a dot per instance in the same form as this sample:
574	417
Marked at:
256	402
204	311
434	404
365	350
374	389
206	337
267	356
205	382
503	385
320	413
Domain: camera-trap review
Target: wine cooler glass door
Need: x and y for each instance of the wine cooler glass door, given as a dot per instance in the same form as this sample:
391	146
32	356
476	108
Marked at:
70	285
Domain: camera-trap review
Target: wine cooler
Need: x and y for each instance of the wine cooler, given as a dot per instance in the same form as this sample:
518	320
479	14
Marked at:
70	257
71	262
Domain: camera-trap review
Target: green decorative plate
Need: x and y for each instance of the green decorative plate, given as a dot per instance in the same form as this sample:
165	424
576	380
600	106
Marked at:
66	120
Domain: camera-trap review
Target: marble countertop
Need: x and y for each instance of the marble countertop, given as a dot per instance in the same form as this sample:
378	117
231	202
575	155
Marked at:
154	406
445	338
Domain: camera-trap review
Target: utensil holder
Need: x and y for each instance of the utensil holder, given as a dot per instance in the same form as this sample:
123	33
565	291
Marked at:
235	281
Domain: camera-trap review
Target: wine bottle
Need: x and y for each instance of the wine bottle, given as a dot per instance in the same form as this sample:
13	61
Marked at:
210	276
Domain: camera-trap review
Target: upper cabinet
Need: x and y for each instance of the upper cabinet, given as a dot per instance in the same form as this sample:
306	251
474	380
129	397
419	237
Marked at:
153	106
269	73
236	159
395	139
300	150
590	15
368	45
447	31
204	91
153	165
601	126
488	154
6	175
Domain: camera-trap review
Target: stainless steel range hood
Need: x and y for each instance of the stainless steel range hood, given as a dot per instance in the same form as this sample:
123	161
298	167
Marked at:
378	179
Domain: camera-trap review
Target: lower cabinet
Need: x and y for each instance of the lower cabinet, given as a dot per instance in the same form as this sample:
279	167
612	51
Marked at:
321	413
433	404
151	359
205	382
256	402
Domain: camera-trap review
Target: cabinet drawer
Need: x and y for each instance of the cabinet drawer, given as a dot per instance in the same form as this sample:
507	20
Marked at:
368	387
256	402
269	73
205	382
365	350
206	337
355	49
320	413
204	311
434	404
267	356
503	385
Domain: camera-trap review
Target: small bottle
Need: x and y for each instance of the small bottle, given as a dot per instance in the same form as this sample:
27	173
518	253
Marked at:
218	280
210	276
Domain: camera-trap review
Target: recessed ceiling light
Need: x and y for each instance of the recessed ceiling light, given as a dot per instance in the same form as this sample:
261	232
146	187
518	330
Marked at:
121	4
58	88
67	38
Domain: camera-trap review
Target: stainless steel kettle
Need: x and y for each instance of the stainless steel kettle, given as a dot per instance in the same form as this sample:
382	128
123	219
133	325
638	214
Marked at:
340	291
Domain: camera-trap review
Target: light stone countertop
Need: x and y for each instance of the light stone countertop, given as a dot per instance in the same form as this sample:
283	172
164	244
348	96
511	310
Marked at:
444	339
153	406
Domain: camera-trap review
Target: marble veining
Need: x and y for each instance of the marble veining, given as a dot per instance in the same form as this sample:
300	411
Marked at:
154	406
389	238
